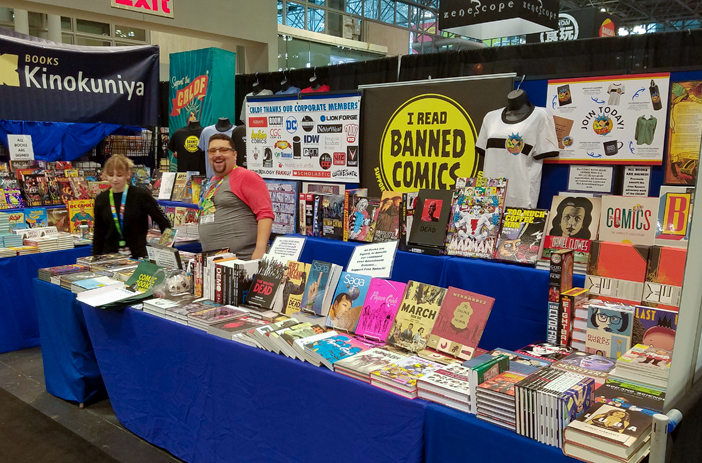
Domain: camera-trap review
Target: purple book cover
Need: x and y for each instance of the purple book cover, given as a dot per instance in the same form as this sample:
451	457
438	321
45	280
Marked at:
379	309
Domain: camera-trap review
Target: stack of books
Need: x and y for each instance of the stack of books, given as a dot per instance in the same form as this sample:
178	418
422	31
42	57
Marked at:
180	314
23	250
159	306
90	260
92	283
330	350
593	366
482	368
64	241
45	274
65	281
7	252
361	365
12	240
238	329
401	377
549	399
495	399
203	319
643	364
447	385
45	243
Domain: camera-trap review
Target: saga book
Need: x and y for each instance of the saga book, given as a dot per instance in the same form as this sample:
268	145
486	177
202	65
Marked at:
348	301
416	316
460	323
379	309
320	286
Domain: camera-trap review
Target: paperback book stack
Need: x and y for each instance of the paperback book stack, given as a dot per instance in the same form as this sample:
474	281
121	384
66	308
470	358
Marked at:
12	241
203	319
45	243
23	250
237	329
495	399
65	281
548	400
5	231
401	377
330	350
361	365
645	364
447	385
45	274
90	260
159	306
92	283
7	252
180	314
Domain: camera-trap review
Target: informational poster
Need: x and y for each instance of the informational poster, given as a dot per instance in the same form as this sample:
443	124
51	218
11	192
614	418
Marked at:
685	130
20	147
591	179
610	120
310	138
421	135
637	180
375	259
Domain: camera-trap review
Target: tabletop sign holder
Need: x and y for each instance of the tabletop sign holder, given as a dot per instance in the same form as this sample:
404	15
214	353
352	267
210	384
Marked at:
164	256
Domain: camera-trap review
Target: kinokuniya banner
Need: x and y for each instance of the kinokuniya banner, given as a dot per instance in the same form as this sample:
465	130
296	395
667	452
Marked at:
315	137
421	135
201	87
47	81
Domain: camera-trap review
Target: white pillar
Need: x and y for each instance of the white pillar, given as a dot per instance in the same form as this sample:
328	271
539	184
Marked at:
54	27
21	21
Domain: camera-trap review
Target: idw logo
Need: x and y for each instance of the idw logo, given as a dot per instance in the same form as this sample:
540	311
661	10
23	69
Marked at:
8	70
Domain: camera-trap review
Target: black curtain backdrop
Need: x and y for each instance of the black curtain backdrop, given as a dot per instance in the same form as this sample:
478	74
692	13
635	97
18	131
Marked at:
339	77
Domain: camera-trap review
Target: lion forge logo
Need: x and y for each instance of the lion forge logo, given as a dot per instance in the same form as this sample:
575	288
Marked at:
351	132
514	143
602	124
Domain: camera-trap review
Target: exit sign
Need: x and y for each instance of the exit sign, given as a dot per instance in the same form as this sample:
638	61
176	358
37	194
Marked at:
157	7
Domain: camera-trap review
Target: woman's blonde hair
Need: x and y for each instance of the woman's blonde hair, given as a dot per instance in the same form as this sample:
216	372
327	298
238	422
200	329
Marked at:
118	162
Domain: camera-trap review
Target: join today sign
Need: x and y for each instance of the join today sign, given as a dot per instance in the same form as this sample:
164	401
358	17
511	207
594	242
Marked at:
155	7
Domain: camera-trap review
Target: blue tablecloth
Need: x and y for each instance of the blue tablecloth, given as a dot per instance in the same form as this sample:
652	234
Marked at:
520	312
195	247
70	369
19	328
206	399
453	436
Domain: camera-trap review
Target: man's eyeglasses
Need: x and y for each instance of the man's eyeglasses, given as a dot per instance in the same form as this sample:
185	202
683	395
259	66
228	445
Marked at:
219	150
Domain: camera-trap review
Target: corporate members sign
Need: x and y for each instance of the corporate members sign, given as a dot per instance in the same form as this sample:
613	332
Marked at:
311	138
47	81
421	135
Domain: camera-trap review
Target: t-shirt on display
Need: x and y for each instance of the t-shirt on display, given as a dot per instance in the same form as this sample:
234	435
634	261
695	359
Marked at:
185	143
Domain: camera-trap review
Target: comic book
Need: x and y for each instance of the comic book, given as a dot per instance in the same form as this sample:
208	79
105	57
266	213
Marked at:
333	217
655	326
13	198
179	186
674	215
409	203
460	323
324	276
16	220
295	286
332	349
387	226
609	426
431	218
36	217
65	189
573	224
96	188
609	328
348	301
54	191
179	216
664	277
379	309
80	187
31	189
522	235
196	185
362	219
351	197
284	195
81	211
475	220
403	374
625	395
416	316
363	363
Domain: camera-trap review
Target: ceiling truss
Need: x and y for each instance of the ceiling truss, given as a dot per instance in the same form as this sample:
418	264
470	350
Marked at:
672	14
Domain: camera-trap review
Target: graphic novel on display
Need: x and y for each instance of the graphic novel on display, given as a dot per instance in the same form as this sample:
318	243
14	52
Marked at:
611	119
387	227
628	219
573	223
379	309
417	315
304	139
674	215
284	196
476	214
521	235
432	216
348	301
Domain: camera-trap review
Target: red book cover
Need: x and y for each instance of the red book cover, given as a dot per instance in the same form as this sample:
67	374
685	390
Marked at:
664	277
616	271
460	323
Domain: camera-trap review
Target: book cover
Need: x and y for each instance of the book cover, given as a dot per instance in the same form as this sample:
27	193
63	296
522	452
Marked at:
44	192
674	216
65	189
348	302
316	286
54	191
572	300
502	384
607	279
178	193
333	217
362	219
316	216
574	221
81	211
416	316
363	363
265	284
145	277
431	218
36	217
237	325
350	199
603	421
624	395
284	194
379	309
332	349
643	357
404	373
609	328
325	188
460	323
476	214
13	198
165	187
560	280
591	365
196	185
521	363
546	351
521	235
16	220
80	187
31	189
96	188
452	378
168	237
664	277
409	204
628	219
293	283
387	227
179	215
654	326
306	214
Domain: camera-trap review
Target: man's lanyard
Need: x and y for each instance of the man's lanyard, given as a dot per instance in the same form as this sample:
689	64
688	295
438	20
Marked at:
208	206
119	222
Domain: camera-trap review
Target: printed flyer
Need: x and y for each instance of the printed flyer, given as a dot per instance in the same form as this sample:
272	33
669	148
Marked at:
311	138
610	120
684	138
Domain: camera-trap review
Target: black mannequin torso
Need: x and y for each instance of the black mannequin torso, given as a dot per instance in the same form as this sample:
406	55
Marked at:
518	107
315	83
256	88
194	125
284	85
223	124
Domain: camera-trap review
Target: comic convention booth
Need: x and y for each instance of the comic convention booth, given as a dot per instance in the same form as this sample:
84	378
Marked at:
417	122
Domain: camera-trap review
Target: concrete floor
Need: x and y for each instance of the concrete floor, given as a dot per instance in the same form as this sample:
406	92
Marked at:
22	374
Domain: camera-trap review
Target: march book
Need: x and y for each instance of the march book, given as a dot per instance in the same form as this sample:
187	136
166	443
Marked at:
417	315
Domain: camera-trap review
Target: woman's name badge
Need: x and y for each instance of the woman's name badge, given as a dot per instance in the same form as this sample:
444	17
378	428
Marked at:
209	218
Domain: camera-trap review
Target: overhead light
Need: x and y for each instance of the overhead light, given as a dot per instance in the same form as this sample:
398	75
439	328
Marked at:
623	31
603	9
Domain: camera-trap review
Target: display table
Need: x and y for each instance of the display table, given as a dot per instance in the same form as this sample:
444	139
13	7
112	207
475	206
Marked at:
452	436
70	369
206	399
19	328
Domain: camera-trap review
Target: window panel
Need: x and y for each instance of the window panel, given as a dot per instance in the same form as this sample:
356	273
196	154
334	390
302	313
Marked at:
295	15
315	19
66	24
280	11
402	15
92	27
354	7
92	42
130	33
387	11
316	2
370	9
335	24
67	38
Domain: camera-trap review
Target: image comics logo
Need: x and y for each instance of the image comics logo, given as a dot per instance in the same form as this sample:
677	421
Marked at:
291	124
325	161
352	156
339	159
307	124
351	132
8	70
275	121
258	122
